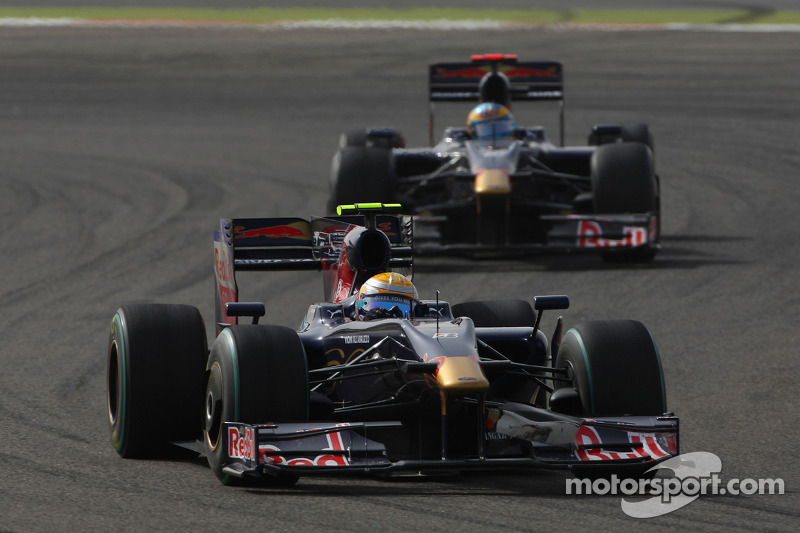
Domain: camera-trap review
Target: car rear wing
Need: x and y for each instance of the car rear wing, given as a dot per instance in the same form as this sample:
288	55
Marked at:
529	81
274	244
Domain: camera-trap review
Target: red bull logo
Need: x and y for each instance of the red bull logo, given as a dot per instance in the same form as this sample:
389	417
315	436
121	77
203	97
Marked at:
466	73
523	72
590	235
590	446
296	230
241	445
270	454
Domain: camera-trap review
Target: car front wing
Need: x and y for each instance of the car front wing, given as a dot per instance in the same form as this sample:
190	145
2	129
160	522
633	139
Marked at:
567	233
341	448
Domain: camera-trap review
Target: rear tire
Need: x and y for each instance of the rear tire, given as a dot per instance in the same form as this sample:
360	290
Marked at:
636	132
257	374
154	376
361	174
385	138
497	313
615	368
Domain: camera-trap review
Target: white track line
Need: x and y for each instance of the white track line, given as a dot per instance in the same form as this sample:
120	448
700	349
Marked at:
431	25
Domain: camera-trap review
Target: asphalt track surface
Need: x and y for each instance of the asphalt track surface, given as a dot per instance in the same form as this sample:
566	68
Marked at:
122	148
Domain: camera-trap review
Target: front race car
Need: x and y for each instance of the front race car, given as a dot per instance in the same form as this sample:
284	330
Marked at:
426	388
453	388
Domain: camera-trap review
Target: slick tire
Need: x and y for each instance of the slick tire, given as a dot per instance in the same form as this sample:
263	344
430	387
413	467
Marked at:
361	138
155	362
497	313
615	369
634	132
361	174
256	374
624	181
638	133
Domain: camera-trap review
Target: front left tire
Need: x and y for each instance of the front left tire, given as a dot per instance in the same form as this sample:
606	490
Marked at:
154	377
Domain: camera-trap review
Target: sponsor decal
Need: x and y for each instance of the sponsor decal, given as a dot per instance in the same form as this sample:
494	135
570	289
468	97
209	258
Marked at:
222	260
587	435
334	312
271	454
524	72
226	283
445	336
387	228
294	230
469	72
590	235
356	339
241	445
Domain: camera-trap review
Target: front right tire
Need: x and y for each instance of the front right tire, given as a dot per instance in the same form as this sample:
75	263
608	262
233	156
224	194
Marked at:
624	181
615	369
257	374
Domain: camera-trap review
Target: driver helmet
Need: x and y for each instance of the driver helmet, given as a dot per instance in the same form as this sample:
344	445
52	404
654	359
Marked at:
387	291
490	121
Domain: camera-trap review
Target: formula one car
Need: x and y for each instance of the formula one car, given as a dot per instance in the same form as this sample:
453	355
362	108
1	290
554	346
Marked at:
509	191
378	381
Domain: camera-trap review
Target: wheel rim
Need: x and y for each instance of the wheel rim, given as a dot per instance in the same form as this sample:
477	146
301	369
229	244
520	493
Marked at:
213	408
114	384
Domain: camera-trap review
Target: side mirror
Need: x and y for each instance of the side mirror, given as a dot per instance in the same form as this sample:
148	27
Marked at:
253	309
542	303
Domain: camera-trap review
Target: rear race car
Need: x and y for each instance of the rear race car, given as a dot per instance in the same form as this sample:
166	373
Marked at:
428	388
475	193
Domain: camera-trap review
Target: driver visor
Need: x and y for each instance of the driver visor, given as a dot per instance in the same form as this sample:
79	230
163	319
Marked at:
493	129
385	301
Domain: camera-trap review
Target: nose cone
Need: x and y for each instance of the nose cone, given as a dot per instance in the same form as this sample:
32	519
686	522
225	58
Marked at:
461	374
492	181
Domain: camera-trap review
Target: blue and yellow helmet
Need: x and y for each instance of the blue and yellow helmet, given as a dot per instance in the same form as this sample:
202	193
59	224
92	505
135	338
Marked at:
490	121
387	290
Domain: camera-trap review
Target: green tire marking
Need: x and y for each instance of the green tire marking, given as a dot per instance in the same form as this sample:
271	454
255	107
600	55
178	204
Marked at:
121	409
588	367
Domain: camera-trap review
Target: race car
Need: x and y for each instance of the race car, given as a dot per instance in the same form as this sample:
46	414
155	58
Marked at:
494	187
377	380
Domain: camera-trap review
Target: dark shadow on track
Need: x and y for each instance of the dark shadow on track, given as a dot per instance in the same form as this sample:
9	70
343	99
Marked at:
533	483
670	257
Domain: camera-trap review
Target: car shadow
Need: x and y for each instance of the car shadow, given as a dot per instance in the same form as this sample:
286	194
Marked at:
530	483
677	252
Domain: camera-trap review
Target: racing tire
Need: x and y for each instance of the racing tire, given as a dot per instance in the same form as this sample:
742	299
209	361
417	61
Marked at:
615	369
361	174
624	181
634	132
387	139
497	313
638	133
256	374
156	357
